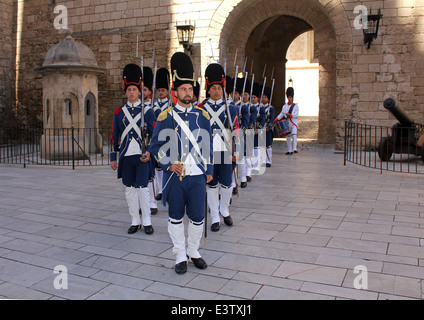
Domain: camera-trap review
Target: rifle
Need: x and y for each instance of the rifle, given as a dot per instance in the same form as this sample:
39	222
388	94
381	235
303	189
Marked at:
143	123
260	102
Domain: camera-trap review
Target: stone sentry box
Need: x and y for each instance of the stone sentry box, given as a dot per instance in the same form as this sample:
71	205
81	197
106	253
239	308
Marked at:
70	101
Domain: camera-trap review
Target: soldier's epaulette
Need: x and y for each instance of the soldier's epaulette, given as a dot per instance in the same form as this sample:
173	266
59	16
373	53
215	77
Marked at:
204	112
162	116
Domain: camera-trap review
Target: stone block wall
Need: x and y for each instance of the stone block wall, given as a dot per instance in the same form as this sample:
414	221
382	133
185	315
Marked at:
7	60
354	80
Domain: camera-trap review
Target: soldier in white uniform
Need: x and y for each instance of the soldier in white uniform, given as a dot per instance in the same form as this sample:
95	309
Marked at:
290	111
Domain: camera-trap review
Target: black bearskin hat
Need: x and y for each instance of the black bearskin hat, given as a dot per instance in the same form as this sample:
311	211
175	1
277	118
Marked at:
267	92
196	90
182	71
131	77
239	85
214	74
229	87
162	79
290	92
148	77
256	90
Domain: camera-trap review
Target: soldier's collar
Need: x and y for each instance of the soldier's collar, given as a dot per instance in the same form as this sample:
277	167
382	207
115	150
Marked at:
213	102
133	105
182	109
163	100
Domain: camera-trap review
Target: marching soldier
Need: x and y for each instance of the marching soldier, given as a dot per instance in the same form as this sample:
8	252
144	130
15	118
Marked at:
256	110
220	188
290	111
245	124
162	91
270	114
182	145
130	131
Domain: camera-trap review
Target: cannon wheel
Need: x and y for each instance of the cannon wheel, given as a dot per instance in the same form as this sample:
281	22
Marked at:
385	149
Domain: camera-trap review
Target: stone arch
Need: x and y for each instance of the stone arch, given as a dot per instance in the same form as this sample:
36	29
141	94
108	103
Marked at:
234	21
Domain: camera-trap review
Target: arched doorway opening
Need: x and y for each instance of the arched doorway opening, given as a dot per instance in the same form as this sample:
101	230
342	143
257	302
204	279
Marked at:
253	28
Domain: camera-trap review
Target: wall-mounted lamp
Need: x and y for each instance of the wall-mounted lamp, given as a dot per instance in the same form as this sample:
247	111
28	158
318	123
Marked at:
185	33
371	27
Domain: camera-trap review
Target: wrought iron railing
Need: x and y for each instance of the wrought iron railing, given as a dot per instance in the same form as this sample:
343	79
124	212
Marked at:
58	147
397	149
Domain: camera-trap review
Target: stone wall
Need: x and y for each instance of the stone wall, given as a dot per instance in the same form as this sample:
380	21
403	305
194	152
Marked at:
354	80
6	59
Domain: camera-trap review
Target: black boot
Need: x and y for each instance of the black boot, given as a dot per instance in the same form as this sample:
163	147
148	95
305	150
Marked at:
228	221
181	267
215	227
133	229
199	263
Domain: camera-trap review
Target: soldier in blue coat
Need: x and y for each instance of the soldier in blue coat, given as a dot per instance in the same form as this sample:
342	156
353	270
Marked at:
128	139
222	118
247	120
182	145
260	132
270	115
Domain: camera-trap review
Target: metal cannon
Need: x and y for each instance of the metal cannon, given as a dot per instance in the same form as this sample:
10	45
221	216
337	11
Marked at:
407	136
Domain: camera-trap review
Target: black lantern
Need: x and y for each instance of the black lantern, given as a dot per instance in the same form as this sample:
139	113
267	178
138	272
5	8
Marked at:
371	27
185	32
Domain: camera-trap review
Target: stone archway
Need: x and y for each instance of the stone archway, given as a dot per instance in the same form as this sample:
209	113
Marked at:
235	20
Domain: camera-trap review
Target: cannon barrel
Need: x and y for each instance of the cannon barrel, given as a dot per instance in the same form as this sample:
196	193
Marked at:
403	117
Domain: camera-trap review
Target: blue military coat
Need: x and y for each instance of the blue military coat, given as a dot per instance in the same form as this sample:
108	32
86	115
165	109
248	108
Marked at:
121	138
169	137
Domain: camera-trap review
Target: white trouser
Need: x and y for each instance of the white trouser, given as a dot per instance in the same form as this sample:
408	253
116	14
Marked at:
153	201
144	205
291	142
255	158
213	203
243	170
269	155
224	201
176	233
131	196
158	181
194	236
233	183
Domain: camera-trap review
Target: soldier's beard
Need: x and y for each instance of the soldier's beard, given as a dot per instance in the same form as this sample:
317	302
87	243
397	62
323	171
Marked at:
186	100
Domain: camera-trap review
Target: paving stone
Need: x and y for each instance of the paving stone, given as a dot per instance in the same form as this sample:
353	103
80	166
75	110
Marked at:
301	242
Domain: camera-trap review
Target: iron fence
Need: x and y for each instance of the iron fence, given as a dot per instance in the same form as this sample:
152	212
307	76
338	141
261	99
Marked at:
56	147
397	148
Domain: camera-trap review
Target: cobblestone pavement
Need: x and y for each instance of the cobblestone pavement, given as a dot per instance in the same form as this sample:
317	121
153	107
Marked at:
309	228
